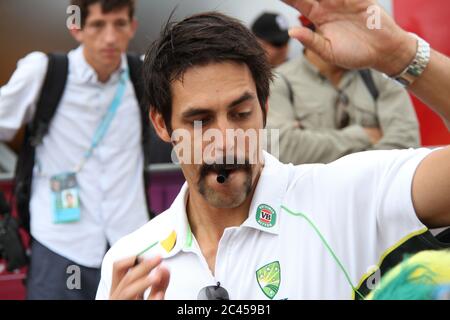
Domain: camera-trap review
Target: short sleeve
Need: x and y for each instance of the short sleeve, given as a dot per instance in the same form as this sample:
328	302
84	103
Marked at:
19	96
396	215
369	194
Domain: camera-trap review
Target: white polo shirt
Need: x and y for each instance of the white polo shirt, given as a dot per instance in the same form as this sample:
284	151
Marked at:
359	206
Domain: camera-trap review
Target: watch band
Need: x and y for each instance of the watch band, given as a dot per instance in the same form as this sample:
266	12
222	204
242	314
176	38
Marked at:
419	64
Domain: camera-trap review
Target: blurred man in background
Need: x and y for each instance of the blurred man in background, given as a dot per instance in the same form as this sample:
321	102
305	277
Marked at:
271	29
325	112
93	148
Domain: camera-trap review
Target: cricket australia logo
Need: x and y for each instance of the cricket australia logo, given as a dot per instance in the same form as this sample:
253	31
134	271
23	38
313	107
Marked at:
266	216
269	279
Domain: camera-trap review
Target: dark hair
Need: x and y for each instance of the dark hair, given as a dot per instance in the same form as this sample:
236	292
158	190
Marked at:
107	6
199	40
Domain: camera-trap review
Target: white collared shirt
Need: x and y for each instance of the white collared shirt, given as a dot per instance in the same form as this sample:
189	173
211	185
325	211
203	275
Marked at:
111	183
361	205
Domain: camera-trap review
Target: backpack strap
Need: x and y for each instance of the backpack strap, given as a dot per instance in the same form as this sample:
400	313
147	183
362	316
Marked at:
135	65
51	94
289	87
161	151
367	77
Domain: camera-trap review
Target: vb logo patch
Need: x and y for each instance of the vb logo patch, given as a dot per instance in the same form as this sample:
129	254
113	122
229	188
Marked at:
266	216
269	279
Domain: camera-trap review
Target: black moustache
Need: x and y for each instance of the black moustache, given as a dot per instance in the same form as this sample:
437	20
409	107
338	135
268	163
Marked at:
218	168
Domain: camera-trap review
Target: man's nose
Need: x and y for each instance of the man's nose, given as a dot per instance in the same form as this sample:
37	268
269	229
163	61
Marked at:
226	129
110	34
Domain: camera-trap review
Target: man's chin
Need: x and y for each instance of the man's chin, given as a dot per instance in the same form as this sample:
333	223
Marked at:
228	195
221	201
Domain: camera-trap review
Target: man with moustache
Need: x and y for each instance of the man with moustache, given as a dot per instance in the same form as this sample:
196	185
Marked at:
262	229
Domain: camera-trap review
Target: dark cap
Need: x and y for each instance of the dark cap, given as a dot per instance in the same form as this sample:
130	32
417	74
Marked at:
272	28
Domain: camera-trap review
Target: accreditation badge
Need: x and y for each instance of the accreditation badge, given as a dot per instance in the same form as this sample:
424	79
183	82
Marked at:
65	198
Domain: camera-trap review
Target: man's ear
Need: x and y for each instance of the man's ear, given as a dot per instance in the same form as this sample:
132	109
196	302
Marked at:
77	34
160	125
134	26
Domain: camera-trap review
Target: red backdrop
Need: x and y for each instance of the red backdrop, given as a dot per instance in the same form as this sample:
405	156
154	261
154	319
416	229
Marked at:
430	20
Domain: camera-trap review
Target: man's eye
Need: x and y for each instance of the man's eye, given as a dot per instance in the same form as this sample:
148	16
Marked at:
121	24
97	25
243	115
203	121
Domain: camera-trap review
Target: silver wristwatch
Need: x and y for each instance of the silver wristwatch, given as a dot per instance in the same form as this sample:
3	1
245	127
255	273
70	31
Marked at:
417	67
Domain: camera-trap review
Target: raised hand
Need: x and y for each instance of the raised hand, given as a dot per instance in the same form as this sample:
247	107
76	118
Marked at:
345	35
